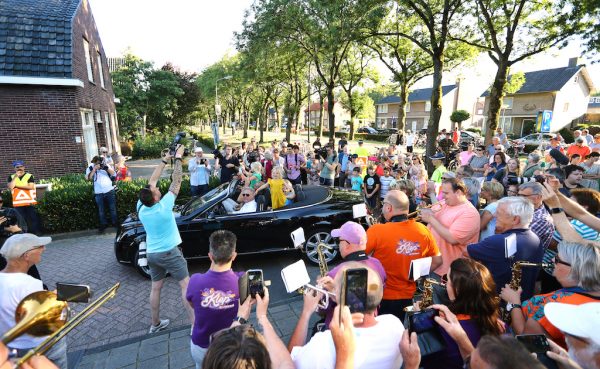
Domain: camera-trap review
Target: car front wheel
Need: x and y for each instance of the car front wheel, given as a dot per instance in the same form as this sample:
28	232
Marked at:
330	252
143	270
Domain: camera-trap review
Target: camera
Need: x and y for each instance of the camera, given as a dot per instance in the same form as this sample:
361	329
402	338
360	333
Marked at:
512	180
253	156
11	220
321	153
217	153
176	140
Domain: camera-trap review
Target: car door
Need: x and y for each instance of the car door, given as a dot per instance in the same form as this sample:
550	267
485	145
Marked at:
194	236
255	232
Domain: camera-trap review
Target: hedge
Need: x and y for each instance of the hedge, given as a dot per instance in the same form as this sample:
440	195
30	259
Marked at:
359	136
70	206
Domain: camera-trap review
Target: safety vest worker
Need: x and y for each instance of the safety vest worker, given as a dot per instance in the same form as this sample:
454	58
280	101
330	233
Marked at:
22	186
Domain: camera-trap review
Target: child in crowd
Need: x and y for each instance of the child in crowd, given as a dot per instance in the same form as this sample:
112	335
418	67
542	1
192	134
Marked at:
371	186
314	171
356	180
275	185
385	180
288	190
254	177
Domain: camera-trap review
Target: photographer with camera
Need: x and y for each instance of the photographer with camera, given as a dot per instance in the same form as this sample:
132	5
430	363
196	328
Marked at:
104	192
228	164
199	168
329	162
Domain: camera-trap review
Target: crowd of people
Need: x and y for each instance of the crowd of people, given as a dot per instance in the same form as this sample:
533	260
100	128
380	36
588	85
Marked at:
513	249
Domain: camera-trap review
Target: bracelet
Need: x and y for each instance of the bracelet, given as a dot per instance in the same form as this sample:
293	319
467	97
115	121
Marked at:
164	162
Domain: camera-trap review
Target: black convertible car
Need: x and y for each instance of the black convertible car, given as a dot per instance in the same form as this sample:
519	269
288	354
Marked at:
317	210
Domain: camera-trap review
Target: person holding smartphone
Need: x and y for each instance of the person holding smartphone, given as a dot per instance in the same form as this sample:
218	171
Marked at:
378	336
199	168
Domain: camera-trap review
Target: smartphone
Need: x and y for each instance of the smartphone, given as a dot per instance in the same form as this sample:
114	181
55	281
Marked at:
256	284
354	289
71	292
422	321
537	343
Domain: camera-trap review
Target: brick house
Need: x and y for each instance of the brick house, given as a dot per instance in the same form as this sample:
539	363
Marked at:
565	91
342	115
56	99
459	96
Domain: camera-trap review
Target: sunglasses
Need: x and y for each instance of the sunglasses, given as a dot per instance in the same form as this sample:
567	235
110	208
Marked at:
246	195
557	260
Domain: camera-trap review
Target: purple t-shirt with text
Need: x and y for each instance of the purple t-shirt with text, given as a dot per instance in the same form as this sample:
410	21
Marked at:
214	296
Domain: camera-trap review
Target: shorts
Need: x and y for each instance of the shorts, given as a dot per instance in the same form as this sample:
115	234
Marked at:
172	262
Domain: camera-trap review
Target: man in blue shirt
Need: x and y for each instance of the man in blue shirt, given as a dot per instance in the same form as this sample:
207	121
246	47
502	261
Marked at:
162	238
513	216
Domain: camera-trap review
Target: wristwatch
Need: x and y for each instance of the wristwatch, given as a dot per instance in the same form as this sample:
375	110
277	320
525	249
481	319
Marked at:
556	210
510	306
240	320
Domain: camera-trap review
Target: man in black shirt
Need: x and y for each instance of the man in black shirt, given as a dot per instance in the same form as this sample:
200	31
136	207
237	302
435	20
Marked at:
229	165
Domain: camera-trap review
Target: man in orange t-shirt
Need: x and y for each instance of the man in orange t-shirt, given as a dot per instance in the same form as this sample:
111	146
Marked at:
395	244
455	225
578	147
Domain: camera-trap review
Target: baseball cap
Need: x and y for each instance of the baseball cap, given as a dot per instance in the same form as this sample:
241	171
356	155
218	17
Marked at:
18	244
18	163
351	232
198	149
577	320
437	156
360	142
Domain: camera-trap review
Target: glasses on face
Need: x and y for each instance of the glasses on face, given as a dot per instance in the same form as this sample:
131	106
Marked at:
526	195
245	195
558	260
512	192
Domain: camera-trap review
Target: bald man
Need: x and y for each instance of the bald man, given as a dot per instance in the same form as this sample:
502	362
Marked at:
395	244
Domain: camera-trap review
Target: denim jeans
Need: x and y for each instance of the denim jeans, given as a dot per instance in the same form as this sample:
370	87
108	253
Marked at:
111	199
325	182
31	217
199	190
198	354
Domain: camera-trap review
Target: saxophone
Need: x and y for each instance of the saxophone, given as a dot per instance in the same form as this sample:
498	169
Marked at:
427	296
515	281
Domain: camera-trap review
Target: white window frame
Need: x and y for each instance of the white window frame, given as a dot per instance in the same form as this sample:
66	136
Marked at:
382	108
427	105
101	72
98	116
107	132
88	60
89	134
507	103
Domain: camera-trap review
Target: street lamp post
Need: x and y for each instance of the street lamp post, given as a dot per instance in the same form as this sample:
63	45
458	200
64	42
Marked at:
217	106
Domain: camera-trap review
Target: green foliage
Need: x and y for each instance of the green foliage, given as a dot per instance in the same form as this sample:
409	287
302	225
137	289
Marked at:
567	134
528	127
514	83
150	147
459	116
474	130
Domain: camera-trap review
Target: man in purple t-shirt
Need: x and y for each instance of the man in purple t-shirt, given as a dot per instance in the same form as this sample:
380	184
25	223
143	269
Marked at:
293	162
352	244
214	295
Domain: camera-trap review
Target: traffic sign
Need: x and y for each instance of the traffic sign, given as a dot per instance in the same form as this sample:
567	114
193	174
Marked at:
544	121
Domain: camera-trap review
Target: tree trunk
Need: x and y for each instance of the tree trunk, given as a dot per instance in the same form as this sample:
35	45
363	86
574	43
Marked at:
330	114
436	107
496	95
320	130
288	129
401	120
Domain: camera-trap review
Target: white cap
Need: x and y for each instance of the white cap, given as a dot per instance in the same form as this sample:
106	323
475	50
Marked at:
18	244
577	320
198	149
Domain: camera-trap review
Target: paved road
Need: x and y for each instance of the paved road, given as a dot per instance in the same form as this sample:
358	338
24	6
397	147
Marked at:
90	260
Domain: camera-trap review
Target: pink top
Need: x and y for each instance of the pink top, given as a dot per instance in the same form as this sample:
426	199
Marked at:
463	223
465	156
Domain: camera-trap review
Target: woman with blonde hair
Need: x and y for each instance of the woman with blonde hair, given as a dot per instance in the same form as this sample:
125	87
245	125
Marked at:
418	175
491	192
275	185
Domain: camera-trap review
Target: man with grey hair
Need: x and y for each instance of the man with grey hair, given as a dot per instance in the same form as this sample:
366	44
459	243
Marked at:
513	217
541	224
533	165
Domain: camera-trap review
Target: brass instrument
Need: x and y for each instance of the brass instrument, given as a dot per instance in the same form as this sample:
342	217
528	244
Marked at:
417	213
323	270
371	220
41	314
515	281
427	296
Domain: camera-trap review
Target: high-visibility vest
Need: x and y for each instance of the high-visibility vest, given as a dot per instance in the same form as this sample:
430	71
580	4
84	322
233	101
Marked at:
21	197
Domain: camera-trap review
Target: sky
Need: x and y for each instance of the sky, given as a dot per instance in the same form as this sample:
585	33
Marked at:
193	34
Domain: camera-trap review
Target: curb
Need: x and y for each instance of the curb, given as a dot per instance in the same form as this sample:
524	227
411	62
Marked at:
77	234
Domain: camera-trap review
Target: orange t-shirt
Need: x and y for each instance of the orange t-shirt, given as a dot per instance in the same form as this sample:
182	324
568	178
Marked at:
463	223
583	151
395	245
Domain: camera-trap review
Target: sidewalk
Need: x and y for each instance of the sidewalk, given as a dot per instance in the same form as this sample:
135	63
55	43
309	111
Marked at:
171	349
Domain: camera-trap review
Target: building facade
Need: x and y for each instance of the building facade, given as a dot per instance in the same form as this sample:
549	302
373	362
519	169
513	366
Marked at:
565	91
56	99
342	115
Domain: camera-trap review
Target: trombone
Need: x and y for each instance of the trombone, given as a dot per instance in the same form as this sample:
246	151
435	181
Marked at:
41	314
434	207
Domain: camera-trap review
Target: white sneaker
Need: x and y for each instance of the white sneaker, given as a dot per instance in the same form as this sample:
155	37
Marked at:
164	323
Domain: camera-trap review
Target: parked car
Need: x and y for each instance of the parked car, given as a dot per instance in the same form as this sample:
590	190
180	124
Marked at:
317	210
467	137
535	139
387	131
369	130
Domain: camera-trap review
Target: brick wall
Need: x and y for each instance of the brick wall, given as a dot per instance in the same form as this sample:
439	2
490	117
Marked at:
92	96
39	125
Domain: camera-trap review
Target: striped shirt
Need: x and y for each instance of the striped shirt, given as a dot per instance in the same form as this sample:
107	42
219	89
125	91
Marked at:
584	231
385	185
542	225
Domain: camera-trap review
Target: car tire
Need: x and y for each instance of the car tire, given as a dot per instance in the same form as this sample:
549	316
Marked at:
144	271
314	238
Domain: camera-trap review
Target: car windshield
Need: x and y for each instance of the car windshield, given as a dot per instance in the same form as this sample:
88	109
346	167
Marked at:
197	202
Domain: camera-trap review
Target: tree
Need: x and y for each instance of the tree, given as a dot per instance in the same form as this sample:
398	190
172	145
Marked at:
162	96
459	116
324	30
513	30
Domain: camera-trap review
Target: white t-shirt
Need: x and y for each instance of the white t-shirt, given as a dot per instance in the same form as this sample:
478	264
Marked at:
102	181
410	139
377	347
13	288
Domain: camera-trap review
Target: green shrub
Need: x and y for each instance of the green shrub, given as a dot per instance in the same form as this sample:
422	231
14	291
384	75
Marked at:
474	130
149	147
70	206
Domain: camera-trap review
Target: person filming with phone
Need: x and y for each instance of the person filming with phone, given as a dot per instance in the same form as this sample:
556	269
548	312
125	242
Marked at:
199	168
378	337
